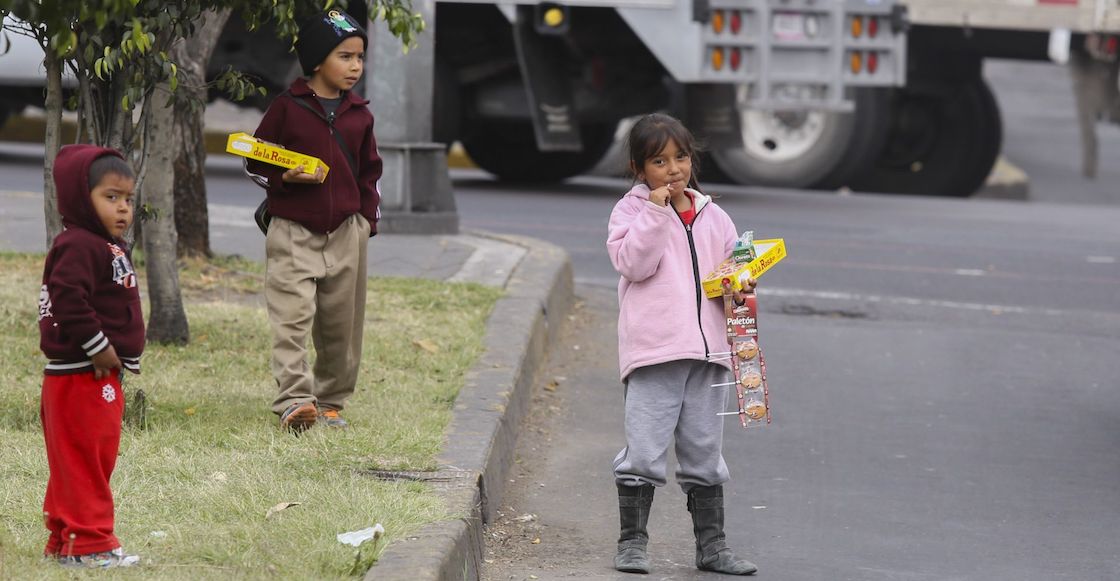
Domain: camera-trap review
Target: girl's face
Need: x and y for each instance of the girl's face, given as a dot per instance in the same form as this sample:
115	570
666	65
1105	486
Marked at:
670	166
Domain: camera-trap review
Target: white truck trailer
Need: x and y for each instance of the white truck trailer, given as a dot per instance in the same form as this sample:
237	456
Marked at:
876	95
940	132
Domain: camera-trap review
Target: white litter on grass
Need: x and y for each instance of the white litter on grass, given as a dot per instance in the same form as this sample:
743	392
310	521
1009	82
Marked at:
356	538
157	534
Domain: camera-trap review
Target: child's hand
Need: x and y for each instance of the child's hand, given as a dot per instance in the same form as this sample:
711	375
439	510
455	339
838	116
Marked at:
661	195
105	362
748	288
296	175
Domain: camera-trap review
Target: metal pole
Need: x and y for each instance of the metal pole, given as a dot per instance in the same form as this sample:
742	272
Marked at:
415	187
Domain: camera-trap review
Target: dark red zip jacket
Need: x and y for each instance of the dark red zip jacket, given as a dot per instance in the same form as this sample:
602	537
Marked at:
89	299
321	207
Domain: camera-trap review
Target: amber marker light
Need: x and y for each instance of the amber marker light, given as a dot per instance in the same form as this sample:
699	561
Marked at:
855	61
717	58
857	26
554	17
717	21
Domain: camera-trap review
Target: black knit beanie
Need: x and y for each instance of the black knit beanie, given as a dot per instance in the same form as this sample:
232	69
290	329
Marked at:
319	34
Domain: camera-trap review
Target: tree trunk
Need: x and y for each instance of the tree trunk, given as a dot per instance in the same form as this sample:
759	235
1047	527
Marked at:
168	321
192	221
52	142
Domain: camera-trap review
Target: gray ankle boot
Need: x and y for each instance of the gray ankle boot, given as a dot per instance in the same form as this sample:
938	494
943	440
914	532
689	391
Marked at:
712	553
633	513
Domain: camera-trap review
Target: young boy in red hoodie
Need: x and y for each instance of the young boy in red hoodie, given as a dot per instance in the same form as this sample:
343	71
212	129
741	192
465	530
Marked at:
91	327
315	266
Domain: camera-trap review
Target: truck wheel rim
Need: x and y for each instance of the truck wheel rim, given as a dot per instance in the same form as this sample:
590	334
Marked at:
779	136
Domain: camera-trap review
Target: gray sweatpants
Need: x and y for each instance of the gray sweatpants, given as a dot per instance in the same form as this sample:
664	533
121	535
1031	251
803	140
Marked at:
668	401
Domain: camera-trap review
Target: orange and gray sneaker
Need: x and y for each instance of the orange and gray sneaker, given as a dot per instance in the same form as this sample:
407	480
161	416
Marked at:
331	419
299	417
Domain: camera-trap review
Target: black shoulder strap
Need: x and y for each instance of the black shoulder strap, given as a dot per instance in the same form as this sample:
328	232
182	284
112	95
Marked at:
330	126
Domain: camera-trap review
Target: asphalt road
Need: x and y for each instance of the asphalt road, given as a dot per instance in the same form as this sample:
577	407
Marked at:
943	379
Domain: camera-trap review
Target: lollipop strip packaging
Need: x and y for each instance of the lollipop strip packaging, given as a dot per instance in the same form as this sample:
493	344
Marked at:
750	258
748	366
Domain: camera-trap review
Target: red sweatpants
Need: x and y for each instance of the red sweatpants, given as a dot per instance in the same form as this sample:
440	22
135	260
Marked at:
82	428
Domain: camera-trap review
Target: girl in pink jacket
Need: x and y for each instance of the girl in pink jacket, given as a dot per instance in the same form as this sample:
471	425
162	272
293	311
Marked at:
665	234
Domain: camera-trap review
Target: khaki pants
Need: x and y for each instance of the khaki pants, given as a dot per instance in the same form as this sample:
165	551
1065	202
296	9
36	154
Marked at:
316	283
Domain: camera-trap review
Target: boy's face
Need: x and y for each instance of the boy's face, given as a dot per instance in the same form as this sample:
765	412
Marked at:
112	201
343	67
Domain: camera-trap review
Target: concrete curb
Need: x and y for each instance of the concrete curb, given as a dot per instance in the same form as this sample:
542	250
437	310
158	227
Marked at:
481	437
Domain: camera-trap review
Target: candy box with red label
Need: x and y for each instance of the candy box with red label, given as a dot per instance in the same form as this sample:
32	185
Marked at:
251	147
769	252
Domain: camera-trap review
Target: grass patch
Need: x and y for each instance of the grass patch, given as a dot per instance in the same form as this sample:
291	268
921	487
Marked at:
193	487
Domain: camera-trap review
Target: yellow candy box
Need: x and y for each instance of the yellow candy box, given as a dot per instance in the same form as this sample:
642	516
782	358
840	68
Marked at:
251	147
770	252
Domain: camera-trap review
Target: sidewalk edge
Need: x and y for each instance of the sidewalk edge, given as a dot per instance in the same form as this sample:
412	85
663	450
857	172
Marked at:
482	434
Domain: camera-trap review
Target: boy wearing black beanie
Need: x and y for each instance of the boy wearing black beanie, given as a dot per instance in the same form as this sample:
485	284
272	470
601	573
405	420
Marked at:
315	269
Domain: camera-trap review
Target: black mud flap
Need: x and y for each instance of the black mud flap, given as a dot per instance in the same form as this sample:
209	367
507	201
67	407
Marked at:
542	62
713	115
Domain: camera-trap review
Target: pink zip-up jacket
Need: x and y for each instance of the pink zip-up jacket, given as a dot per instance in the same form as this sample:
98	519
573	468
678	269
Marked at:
663	313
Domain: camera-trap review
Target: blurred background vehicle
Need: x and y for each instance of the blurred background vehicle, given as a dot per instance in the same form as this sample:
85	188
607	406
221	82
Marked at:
876	95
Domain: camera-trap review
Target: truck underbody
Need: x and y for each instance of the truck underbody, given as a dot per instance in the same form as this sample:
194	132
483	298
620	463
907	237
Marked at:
940	134
543	103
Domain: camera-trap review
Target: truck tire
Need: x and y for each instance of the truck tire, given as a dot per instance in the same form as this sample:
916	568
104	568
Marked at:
508	150
813	149
942	143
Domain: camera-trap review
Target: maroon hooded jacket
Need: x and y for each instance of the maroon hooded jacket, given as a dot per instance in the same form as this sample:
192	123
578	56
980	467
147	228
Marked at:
321	207
89	299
